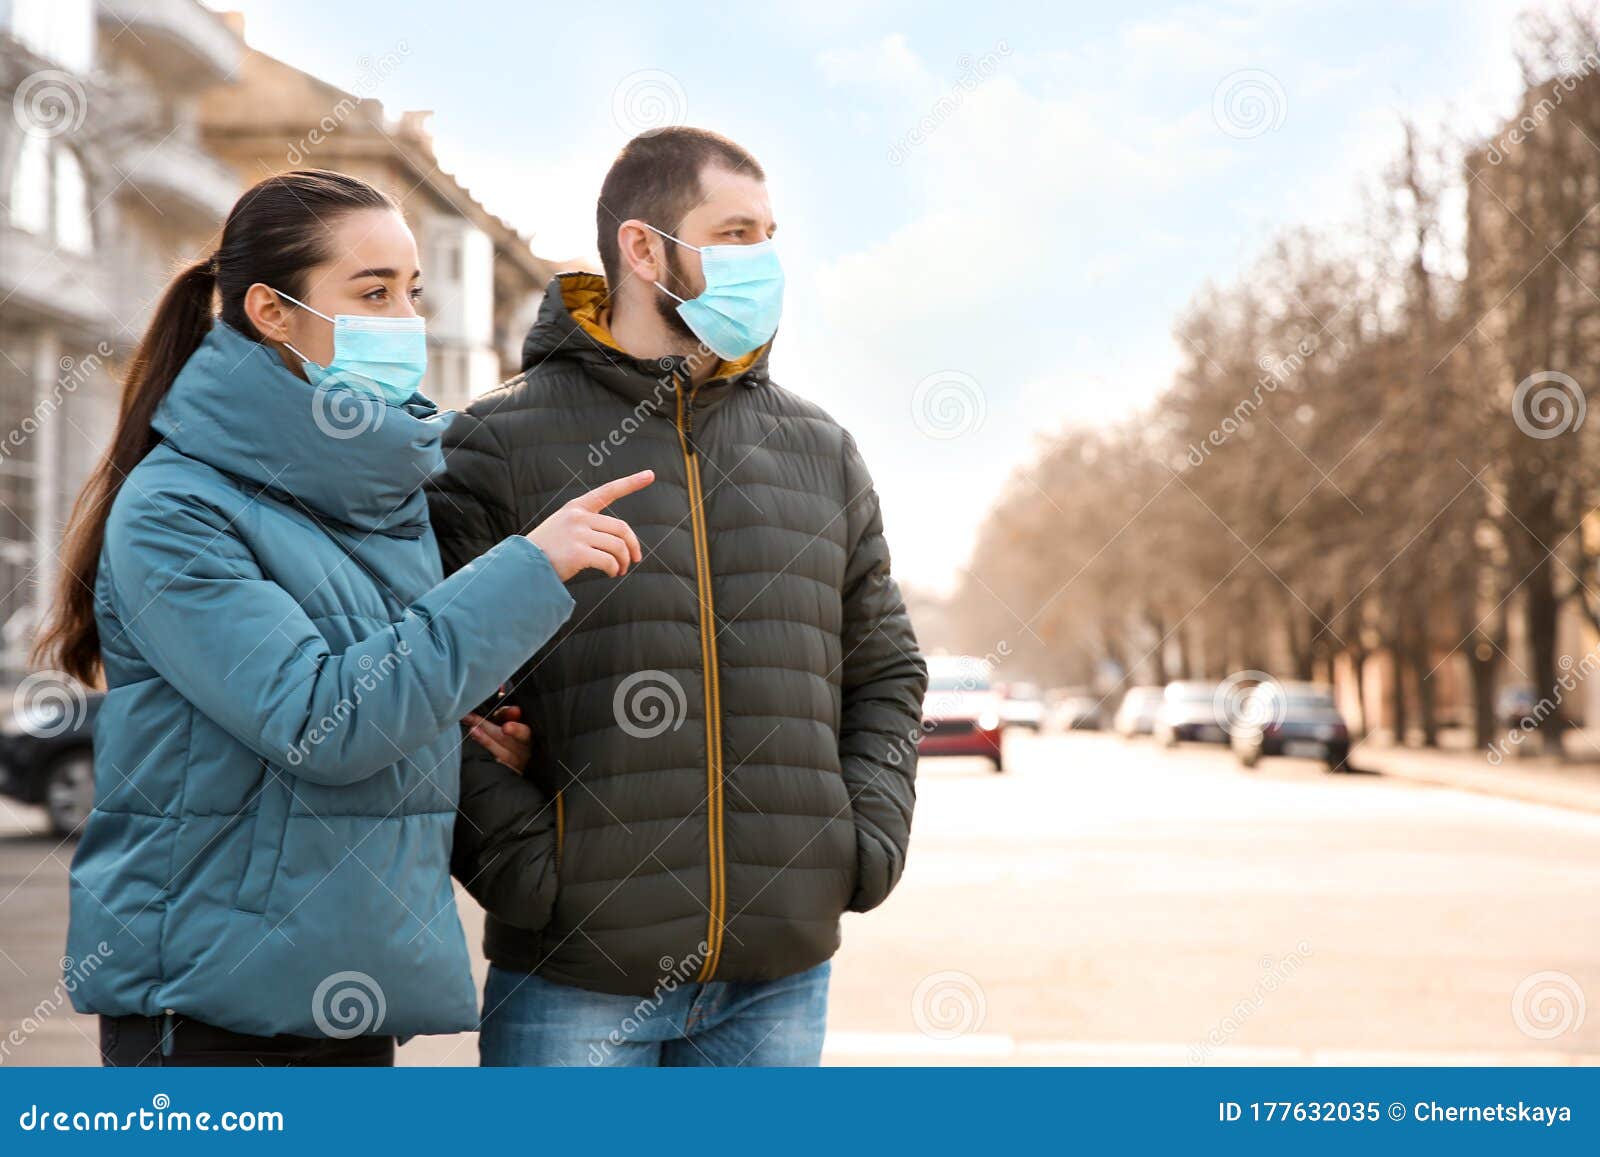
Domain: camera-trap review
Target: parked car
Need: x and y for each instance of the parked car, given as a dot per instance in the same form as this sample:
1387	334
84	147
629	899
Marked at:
1514	703
47	759
1073	711
961	711
1022	706
1188	714
1137	713
1299	720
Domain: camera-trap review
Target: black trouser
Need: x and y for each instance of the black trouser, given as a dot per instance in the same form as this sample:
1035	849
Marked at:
177	1041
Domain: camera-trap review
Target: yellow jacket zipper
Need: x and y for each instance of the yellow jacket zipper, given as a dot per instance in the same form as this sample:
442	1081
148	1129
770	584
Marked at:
561	829
717	868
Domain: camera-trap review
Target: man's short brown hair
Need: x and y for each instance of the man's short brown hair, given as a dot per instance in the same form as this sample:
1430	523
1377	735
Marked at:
656	178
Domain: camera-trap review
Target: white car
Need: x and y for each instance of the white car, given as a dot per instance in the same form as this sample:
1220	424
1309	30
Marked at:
1189	714
1023	706
1137	715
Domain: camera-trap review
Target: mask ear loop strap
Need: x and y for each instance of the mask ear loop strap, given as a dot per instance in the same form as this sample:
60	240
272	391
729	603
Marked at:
302	305
685	244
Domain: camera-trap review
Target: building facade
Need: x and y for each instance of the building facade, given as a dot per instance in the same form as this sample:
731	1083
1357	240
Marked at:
483	280
105	187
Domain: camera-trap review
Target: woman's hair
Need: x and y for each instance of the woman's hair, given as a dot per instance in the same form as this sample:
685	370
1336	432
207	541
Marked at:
276	234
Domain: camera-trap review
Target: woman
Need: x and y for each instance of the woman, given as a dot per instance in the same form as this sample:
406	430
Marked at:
264	877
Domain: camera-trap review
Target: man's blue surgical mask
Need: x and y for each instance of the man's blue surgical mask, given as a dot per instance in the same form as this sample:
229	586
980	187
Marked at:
387	356
738	310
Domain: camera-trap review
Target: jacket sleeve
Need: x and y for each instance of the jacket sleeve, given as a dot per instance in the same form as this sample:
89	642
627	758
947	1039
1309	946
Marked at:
883	681
505	839
192	600
472	502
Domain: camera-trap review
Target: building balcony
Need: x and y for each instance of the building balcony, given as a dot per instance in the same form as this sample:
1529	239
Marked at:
183	44
178	177
44	284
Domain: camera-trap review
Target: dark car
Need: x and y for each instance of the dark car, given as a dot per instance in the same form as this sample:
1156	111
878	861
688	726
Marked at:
47	757
1189	714
1299	720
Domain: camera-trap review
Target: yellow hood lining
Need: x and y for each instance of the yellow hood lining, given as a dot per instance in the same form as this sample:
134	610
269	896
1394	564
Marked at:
585	296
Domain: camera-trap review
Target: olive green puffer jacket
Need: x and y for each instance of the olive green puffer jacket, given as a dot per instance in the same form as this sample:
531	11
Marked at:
725	738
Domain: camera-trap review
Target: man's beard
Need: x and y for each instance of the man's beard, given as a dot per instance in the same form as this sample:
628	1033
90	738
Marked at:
667	308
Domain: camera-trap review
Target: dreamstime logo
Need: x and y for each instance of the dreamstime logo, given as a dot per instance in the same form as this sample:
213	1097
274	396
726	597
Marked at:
649	703
348	1004
74	972
1547	404
48	703
1248	103
1238	707
949	1004
647	100
1547	1005
49	103
373	72
948	404
343	409
971	73
1276	971
1573	673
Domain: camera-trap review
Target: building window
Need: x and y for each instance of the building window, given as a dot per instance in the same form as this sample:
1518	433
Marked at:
73	230
30	186
61	31
50	195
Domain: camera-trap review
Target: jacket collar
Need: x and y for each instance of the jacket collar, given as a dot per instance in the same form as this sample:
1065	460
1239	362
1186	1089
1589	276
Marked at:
347	456
571	324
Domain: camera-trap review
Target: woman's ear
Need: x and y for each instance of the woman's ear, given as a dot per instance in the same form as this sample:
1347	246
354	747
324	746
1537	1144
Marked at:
268	312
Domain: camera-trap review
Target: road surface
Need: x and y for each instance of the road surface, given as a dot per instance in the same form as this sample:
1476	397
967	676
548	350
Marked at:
1107	902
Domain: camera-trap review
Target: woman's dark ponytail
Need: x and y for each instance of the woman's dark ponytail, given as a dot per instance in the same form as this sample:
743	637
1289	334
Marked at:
277	232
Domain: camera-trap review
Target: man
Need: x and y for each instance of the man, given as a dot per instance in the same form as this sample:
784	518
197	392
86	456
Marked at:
724	741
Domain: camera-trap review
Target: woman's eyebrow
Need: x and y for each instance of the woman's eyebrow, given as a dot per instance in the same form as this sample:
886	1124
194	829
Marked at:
384	273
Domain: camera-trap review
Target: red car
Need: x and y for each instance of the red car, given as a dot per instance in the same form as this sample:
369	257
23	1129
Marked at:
961	712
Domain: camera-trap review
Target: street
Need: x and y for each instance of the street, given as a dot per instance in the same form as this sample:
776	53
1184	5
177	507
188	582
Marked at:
1109	902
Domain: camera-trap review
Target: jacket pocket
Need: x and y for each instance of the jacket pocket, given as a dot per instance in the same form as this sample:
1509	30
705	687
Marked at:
266	841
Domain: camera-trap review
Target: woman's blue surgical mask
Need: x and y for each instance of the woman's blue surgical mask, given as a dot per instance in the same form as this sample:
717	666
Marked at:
385	355
739	308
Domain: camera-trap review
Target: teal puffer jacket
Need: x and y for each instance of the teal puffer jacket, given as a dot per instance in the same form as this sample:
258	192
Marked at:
277	760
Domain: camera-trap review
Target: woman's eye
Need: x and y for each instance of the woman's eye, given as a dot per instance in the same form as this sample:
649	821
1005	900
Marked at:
416	293
377	294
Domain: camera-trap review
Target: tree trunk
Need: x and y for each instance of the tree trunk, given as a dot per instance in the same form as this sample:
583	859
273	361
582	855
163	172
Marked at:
1427	699
1483	677
1541	610
1397	684
1358	668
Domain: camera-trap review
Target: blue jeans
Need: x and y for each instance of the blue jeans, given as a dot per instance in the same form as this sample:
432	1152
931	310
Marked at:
531	1021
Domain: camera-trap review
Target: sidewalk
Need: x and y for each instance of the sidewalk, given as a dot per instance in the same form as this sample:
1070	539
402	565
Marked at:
1573	784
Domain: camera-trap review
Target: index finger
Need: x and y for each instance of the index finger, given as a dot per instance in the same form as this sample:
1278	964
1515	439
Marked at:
604	495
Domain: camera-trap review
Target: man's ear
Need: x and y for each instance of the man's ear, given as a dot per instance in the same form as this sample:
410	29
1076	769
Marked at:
638	248
268	312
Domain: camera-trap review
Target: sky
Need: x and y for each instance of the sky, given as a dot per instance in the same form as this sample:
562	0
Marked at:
991	215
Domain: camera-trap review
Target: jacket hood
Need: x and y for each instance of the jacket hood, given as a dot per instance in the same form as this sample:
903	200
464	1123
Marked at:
572	323
345	454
